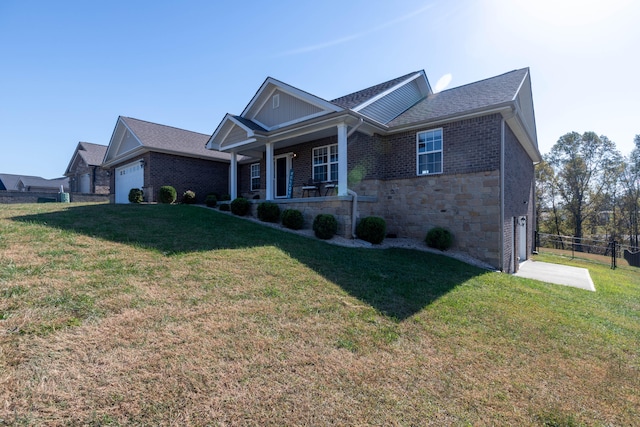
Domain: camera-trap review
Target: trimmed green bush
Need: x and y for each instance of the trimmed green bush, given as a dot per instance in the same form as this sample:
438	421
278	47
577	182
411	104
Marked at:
372	229
439	238
211	200
135	195
225	197
293	219
240	206
268	212
224	207
325	226
189	197
167	194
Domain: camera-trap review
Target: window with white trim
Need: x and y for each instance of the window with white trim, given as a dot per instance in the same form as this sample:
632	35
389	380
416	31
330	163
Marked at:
429	152
255	176
325	163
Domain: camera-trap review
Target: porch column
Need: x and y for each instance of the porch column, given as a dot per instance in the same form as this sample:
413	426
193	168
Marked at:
233	176
269	174
342	159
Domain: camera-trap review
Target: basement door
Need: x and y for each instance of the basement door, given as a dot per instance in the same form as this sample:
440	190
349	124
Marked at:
522	238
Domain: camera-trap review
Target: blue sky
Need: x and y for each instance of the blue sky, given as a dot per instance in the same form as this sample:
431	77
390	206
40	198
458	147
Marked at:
68	69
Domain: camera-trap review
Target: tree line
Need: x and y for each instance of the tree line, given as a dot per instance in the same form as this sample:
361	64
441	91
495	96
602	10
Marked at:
586	187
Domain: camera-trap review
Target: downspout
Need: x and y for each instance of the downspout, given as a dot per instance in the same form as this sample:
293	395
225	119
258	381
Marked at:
354	212
502	144
354	204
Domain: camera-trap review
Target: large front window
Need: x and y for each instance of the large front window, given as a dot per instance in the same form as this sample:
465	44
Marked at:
255	176
429	152
325	163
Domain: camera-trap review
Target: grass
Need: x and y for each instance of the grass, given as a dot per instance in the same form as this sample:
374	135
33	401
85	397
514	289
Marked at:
178	315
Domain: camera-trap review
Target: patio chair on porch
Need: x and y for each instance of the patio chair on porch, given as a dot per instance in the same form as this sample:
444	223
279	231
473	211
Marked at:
330	187
311	186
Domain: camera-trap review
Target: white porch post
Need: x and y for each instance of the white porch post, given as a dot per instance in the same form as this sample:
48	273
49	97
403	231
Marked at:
342	159
269	175
233	178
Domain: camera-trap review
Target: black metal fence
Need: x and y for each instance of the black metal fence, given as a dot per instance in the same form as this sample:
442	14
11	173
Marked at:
610	249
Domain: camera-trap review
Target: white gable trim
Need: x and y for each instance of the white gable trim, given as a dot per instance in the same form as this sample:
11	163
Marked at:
222	132
267	89
392	89
292	122
116	141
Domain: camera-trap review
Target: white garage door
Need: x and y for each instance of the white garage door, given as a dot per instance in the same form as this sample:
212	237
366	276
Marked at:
128	177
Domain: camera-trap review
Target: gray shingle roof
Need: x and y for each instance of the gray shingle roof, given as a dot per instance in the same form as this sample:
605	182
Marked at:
354	99
167	138
92	154
9	181
476	96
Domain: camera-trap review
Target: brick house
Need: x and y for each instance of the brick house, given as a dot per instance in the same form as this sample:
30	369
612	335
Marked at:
84	171
462	158
148	156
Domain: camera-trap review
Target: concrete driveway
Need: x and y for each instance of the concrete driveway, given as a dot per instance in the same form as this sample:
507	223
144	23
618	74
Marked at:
557	274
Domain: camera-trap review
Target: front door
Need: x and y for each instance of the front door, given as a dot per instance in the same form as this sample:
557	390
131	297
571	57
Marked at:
282	164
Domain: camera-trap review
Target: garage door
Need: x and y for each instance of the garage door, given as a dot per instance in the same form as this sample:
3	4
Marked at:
128	177
85	180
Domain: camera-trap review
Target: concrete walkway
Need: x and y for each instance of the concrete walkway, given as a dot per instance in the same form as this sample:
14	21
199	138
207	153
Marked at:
557	274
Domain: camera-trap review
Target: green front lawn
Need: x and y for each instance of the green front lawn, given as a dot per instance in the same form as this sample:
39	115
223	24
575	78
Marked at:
180	315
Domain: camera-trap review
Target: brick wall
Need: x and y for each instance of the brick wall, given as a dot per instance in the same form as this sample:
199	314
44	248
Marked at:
186	173
519	199
469	146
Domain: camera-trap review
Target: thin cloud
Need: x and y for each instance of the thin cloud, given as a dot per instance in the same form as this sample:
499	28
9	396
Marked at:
351	37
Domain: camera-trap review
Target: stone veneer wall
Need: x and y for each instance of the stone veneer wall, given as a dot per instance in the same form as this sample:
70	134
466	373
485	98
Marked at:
340	207
466	204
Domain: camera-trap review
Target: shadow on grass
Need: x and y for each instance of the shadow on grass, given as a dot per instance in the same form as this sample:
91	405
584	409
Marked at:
396	282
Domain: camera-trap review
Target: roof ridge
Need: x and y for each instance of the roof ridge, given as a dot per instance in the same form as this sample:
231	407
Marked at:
399	78
166	126
483	80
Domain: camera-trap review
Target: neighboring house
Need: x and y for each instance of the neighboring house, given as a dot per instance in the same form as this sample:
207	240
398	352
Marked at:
84	171
461	159
148	156
9	182
33	184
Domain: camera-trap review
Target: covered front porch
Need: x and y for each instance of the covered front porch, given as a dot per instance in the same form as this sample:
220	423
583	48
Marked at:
290	138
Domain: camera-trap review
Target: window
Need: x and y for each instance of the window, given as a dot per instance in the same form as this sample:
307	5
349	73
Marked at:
255	176
325	163
429	152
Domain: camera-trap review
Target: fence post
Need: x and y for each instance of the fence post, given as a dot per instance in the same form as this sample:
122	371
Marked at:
573	246
614	246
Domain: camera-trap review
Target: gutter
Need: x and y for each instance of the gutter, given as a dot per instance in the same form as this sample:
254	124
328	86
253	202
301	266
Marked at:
354	212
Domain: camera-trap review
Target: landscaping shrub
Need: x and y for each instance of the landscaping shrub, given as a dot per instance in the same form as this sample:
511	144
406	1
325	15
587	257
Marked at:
325	226
225	197
439	238
268	212
372	229
135	195
293	219
167	194
240	206
211	200
224	207
189	197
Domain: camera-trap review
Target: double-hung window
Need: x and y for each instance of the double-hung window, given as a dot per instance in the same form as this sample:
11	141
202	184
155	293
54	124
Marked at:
429	152
255	176
325	163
